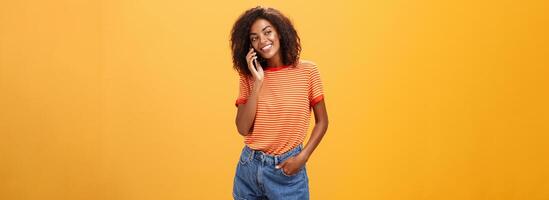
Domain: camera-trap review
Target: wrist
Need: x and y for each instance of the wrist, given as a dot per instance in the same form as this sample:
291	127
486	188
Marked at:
256	88
258	83
304	155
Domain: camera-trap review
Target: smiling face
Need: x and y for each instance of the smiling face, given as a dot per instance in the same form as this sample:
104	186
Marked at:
265	39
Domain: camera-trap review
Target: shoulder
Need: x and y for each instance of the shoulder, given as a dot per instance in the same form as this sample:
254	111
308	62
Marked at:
307	64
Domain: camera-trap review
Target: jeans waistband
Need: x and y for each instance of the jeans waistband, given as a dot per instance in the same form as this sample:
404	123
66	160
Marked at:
271	159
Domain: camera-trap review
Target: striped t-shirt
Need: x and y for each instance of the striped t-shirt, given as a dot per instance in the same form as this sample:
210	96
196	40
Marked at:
283	107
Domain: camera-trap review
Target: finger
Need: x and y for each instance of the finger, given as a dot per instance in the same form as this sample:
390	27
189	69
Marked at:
249	54
253	69
250	60
251	51
259	68
281	165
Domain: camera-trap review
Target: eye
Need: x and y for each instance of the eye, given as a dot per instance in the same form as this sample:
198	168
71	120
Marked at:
253	38
268	32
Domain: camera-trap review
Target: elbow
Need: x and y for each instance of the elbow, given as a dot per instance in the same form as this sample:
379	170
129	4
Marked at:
323	124
242	130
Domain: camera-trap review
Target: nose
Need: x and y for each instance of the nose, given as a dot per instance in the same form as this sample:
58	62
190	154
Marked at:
263	39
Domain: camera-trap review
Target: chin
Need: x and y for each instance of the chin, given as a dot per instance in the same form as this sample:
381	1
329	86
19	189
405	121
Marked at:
268	56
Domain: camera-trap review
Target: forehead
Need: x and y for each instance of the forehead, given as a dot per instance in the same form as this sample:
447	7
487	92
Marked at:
259	25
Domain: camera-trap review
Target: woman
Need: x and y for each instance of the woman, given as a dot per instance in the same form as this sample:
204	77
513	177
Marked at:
277	92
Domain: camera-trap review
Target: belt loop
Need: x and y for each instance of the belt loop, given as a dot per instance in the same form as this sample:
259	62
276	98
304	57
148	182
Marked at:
276	160
251	154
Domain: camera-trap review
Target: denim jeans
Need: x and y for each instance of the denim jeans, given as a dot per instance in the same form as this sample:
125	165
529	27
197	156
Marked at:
257	178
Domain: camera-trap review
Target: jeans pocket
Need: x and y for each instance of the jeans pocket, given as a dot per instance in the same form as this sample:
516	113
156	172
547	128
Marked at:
245	158
293	175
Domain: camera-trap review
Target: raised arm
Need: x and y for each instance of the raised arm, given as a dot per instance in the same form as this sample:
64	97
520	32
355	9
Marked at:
245	116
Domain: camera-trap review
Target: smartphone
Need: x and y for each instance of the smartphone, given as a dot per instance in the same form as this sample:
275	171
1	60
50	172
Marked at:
253	61
259	58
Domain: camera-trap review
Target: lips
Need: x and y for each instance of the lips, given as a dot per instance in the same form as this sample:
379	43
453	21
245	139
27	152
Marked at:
267	47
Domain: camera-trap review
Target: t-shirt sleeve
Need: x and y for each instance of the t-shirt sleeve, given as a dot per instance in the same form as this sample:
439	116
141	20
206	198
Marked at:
243	91
316	92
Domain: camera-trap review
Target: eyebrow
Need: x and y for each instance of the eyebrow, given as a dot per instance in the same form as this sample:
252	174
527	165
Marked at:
261	30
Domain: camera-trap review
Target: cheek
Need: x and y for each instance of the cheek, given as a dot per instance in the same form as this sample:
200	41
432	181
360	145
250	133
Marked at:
276	40
255	45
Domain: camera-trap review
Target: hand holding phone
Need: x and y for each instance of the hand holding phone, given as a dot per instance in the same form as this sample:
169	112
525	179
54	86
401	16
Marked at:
254	66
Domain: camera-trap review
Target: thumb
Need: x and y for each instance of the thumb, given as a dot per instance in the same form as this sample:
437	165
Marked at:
280	165
258	65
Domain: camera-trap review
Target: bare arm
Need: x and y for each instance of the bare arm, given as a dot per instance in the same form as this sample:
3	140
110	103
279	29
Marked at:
245	116
293	164
320	128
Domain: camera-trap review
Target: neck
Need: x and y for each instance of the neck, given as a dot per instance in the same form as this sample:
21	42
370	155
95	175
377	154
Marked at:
275	61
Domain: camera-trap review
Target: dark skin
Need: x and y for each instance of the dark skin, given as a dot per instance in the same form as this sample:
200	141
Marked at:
265	40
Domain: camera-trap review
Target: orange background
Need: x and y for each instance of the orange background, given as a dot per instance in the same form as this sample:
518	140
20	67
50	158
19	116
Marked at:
135	99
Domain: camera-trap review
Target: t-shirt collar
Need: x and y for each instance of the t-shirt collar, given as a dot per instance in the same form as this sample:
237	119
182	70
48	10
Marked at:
276	68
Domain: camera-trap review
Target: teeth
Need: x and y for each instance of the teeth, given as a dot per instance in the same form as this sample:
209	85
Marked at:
267	47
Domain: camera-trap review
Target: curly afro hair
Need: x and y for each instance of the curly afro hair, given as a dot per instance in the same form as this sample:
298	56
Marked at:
290	45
